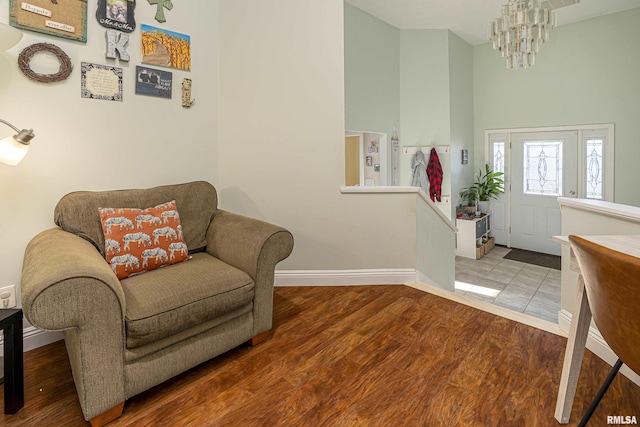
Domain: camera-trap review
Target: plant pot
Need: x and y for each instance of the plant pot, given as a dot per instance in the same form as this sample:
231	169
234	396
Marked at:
484	206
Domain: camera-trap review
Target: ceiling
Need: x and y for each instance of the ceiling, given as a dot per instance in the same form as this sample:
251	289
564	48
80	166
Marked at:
469	18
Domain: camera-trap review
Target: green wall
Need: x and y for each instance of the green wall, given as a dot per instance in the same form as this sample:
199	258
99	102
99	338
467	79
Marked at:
461	114
372	70
420	81
424	95
588	73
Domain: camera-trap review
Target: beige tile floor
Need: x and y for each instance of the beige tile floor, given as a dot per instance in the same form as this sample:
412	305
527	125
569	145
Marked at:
525	288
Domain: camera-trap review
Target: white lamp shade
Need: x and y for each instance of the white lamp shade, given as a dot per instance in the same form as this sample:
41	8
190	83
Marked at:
9	37
11	151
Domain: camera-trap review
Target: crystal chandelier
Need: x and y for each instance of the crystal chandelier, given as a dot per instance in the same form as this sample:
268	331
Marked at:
519	32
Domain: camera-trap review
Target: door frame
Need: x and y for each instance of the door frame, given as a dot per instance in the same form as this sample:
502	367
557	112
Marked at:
609	153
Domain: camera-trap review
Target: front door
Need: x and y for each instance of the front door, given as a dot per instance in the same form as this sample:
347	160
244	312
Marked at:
543	167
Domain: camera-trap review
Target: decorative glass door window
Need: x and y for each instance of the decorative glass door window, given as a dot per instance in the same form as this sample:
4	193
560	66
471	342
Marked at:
498	156
594	167
543	168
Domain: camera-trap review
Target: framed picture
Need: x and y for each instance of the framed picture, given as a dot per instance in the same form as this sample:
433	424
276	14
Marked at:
165	48
117	14
153	82
101	82
64	18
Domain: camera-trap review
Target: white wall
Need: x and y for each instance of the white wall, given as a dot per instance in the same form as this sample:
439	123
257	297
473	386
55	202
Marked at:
86	144
282	138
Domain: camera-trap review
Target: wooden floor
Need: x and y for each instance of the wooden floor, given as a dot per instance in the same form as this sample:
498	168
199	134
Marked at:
354	356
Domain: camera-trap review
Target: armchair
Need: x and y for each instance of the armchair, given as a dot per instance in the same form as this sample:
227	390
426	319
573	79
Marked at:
124	336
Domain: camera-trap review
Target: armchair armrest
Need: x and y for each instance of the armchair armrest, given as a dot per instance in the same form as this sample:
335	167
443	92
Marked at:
254	247
240	241
66	282
67	285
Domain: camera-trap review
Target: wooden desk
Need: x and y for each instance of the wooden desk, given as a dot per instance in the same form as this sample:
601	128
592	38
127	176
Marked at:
581	320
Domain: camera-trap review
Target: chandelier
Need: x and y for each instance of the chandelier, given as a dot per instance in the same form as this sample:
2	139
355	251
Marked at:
519	32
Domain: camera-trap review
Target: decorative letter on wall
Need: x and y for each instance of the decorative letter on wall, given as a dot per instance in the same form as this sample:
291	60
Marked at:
116	42
187	102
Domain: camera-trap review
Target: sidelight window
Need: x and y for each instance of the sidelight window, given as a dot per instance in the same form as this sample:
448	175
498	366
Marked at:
594	167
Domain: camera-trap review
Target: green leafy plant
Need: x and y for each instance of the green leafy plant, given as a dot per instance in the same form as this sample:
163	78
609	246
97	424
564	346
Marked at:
489	184
470	195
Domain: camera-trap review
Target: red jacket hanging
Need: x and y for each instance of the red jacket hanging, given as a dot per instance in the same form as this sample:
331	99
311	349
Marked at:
434	172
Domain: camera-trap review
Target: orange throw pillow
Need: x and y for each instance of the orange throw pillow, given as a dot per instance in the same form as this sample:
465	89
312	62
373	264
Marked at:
139	240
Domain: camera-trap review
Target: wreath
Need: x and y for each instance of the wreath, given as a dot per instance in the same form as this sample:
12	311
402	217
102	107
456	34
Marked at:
24	63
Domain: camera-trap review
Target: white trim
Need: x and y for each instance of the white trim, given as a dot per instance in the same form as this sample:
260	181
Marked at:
597	345
614	210
440	149
609	156
33	337
396	276
386	189
608	126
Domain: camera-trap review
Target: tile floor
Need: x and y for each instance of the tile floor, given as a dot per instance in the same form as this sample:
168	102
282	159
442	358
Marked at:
526	288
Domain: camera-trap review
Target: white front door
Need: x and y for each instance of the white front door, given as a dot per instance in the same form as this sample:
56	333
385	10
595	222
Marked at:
543	167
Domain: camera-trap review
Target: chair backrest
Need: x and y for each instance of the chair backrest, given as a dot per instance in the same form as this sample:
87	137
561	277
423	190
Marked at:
197	202
612	281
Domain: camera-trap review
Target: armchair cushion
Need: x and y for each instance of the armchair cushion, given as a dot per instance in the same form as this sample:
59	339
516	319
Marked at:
173	299
140	240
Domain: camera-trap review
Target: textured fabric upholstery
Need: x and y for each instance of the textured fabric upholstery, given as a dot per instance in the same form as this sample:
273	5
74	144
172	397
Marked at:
124	337
196	201
163	302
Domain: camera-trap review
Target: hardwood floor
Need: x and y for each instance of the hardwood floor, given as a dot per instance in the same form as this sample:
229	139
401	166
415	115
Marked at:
354	356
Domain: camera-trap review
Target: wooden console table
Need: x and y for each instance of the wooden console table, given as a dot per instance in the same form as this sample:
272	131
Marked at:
581	320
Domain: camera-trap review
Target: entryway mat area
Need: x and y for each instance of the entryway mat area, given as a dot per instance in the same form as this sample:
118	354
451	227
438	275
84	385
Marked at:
537	258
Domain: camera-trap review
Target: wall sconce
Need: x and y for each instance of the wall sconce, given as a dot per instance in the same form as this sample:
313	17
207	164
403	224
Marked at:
9	37
465	156
14	148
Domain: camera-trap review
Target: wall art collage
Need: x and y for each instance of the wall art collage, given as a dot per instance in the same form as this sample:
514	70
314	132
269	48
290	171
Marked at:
160	47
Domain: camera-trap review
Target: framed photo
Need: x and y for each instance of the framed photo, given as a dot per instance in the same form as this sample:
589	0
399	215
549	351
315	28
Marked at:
64	18
153	82
165	48
117	14
101	82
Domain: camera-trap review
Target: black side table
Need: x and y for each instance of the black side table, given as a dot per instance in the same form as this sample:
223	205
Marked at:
11	325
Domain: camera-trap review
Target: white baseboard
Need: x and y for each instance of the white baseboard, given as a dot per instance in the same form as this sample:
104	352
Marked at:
397	276
598	346
33	337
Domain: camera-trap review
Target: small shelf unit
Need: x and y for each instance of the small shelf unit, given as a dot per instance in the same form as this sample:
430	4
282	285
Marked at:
471	233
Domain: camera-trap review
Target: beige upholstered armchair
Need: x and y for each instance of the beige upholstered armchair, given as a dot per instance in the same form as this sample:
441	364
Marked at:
124	336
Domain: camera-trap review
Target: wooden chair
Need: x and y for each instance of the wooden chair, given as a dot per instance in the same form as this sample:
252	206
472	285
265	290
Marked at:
612	282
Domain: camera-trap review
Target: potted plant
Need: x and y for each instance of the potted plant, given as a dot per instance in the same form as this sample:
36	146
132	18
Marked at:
470	194
489	185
